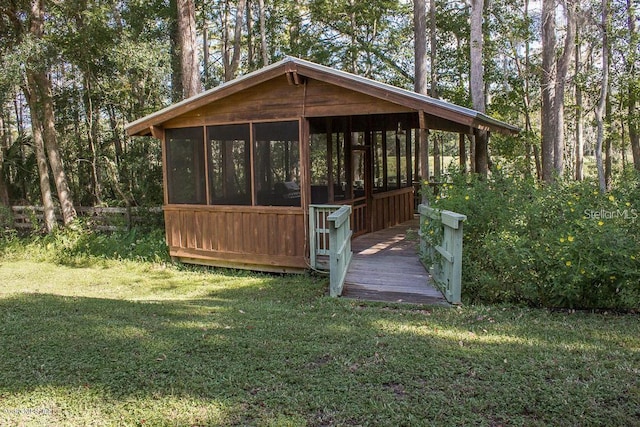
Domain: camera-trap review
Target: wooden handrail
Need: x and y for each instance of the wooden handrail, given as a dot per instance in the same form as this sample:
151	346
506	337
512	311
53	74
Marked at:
339	248
446	270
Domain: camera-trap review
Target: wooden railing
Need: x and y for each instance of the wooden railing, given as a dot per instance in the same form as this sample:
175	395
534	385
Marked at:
330	235
339	248
359	216
319	233
99	218
444	257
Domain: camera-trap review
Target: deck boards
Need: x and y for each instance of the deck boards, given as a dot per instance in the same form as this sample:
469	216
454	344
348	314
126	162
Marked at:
385	267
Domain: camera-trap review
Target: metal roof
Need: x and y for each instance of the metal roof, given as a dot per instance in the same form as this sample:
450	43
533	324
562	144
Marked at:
386	91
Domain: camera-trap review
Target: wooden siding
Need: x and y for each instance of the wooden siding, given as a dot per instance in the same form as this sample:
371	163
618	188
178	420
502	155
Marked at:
276	99
262	238
392	208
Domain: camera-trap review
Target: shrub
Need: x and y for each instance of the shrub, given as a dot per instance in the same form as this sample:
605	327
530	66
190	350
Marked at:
557	245
79	243
6	217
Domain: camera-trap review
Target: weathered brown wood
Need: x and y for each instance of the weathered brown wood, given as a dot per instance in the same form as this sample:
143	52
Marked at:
243	234
445	116
277	100
230	259
392	207
385	267
142	127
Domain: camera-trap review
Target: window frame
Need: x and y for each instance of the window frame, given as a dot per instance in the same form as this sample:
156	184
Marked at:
252	164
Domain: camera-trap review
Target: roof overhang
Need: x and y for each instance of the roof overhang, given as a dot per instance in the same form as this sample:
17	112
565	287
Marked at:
296	70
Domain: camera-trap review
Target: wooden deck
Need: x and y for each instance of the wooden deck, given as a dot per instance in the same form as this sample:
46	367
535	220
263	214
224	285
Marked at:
385	267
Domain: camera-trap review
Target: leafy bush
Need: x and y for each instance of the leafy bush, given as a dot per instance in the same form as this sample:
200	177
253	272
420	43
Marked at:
557	245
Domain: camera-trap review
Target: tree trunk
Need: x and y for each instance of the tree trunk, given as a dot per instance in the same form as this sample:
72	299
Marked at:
420	46
189	63
547	85
608	148
420	83
633	116
477	84
263	34
50	223
93	122
5	142
233	61
433	48
250	46
49	213
579	144
205	54
561	77
41	84
53	151
176	69
600	108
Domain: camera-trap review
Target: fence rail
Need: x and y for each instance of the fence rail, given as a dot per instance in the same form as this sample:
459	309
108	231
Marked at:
445	257
100	218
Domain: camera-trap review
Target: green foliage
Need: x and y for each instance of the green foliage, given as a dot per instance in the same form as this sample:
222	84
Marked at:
556	245
79	244
6	218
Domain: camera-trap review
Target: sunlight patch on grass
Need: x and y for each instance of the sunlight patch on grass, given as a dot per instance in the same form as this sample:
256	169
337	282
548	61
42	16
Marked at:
86	405
143	344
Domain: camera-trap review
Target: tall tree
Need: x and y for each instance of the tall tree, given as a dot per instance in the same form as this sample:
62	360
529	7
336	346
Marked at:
548	84
560	83
49	214
40	84
477	85
263	33
633	83
579	119
187	42
553	81
232	48
420	82
600	108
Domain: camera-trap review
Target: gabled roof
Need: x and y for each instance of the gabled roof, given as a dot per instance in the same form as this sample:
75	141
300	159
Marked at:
431	106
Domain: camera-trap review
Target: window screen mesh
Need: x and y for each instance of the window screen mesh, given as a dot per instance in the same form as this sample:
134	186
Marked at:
185	166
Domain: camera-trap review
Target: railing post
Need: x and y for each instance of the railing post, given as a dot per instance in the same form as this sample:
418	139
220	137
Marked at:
456	273
312	237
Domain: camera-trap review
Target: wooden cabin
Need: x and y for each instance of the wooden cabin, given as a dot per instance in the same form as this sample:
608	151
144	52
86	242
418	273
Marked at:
243	162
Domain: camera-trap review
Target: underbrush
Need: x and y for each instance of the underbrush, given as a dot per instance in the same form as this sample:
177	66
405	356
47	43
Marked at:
79	242
556	245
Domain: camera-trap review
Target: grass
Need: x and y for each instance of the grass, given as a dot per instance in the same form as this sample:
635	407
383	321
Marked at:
110	341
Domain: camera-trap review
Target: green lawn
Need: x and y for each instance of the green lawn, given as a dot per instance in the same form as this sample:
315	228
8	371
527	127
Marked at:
117	342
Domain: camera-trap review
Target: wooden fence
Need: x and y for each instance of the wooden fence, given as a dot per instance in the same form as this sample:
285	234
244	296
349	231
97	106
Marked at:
446	256
99	218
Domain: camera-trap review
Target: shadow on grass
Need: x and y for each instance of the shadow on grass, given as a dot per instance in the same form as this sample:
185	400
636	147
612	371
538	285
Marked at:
277	349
